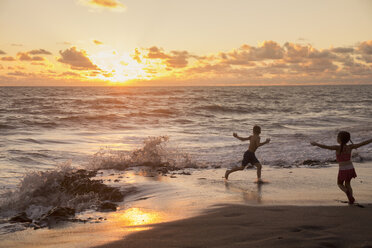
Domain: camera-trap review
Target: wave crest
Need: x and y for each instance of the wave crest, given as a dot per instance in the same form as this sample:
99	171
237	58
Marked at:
155	152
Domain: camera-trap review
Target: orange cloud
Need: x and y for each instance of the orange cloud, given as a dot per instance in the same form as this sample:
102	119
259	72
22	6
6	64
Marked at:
18	74
136	55
114	5
174	59
26	57
77	60
266	63
37	63
2	52
70	73
39	51
97	42
9	58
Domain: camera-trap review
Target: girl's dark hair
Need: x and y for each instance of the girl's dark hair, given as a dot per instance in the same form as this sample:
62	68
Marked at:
344	137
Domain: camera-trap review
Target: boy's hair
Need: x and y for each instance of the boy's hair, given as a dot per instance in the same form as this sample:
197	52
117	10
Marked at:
256	129
344	138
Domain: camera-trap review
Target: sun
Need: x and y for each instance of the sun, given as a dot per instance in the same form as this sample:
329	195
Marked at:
118	68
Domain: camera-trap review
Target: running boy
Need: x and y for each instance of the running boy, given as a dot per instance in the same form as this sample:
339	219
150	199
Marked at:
249	156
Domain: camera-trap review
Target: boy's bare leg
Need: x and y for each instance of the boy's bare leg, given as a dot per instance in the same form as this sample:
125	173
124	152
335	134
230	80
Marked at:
259	167
228	172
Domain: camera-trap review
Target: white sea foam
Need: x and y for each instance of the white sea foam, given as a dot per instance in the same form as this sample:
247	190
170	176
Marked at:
155	152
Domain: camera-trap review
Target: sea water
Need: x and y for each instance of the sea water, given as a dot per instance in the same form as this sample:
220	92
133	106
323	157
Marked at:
47	130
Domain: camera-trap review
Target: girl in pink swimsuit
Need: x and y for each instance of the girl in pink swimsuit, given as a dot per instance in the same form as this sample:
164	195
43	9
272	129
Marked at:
343	156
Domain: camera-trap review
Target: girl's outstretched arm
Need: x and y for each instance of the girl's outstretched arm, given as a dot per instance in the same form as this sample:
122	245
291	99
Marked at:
355	146
324	146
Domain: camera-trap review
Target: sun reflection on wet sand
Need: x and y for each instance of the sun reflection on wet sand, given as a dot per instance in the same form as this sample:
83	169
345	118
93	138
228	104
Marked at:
138	219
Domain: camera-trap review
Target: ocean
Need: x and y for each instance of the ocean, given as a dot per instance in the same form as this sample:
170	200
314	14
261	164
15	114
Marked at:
44	129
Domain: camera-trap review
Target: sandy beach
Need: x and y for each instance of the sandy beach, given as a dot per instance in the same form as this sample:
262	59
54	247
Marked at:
298	207
245	226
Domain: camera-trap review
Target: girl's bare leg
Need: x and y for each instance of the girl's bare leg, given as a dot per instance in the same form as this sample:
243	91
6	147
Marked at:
349	192
342	187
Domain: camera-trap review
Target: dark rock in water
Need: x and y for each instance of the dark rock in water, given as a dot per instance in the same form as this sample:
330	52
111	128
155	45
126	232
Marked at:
107	206
162	170
61	212
311	162
21	217
331	160
55	215
35	226
185	173
79	183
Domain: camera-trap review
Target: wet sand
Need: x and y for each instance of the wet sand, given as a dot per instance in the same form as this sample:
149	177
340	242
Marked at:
274	226
298	207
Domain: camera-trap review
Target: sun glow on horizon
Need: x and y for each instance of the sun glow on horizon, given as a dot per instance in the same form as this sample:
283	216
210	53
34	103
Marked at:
118	68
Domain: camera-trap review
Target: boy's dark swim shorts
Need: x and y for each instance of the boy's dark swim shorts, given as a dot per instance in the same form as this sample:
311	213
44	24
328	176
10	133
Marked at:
249	157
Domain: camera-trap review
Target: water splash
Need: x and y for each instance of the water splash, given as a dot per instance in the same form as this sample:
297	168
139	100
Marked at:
40	191
155	152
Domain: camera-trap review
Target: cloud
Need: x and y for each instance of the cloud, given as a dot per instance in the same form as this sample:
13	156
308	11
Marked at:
114	5
8	58
246	53
37	63
137	55
343	50
97	42
77	60
296	53
2	52
18	74
24	56
17	45
64	43
70	73
265	63
365	49
173	59
39	51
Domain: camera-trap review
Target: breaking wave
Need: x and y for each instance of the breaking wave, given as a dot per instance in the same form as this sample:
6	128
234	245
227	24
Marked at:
155	153
65	187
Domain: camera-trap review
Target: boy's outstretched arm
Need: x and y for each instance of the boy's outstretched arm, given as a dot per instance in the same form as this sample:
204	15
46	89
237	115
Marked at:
241	138
264	143
361	144
324	146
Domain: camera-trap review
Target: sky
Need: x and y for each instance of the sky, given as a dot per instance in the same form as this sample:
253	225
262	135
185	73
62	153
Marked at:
194	42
